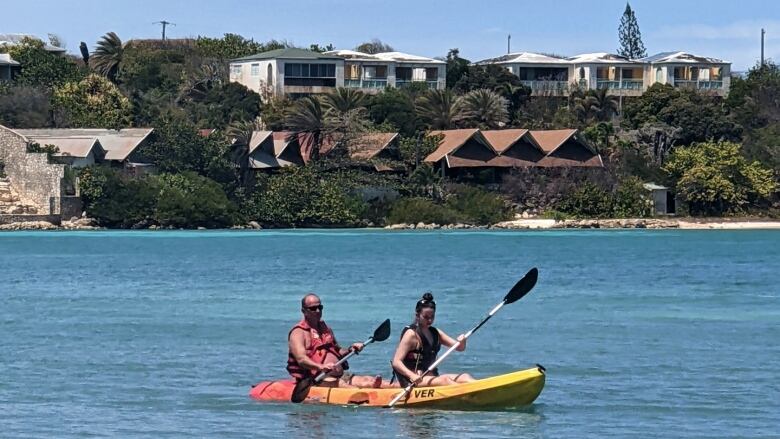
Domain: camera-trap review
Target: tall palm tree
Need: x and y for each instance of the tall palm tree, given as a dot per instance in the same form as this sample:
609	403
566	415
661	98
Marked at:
343	100
604	105
241	135
307	119
440	109
485	109
108	55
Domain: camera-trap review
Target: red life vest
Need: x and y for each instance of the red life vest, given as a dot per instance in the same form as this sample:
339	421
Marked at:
321	343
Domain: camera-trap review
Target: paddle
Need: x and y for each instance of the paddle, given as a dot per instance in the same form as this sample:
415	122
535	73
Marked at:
521	288
301	389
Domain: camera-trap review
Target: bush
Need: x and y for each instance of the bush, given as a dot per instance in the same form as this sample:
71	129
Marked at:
189	200
115	200
587	200
415	210
631	200
478	206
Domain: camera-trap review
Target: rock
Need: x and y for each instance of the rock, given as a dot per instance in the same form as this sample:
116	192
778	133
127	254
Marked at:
420	225
201	228
254	225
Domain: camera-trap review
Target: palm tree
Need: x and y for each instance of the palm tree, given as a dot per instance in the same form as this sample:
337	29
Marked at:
308	119
484	108
108	55
604	105
440	109
241	135
343	100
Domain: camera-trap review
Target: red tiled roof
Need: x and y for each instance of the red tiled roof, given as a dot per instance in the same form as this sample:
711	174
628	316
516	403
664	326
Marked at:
453	139
501	140
550	140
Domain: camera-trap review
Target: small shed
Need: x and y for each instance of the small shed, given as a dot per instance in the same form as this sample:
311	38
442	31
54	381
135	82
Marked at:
663	199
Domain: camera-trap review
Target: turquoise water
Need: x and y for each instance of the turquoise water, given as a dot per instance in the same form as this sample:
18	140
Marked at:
161	334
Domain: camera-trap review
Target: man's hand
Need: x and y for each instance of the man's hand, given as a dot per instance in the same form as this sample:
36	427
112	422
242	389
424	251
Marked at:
327	367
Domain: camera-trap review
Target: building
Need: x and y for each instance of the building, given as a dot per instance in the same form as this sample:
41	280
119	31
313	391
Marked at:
8	67
544	74
297	72
685	70
374	72
619	75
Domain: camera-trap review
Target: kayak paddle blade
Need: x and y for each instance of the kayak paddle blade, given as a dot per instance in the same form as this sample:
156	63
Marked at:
522	287
301	390
382	332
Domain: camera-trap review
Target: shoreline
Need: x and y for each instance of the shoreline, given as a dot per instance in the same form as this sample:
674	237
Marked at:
518	224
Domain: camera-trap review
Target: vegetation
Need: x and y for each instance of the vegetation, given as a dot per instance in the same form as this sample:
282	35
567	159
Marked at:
92	102
631	45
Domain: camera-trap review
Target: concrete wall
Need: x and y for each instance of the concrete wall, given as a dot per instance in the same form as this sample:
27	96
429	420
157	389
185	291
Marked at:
32	176
9	219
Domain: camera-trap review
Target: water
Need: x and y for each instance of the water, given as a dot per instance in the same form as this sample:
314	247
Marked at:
161	334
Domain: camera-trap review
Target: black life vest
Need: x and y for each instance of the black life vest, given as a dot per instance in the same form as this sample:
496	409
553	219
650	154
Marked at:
420	359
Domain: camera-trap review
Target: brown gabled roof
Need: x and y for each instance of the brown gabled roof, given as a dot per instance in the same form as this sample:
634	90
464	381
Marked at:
370	144
453	139
118	144
205	132
79	147
258	138
550	140
501	140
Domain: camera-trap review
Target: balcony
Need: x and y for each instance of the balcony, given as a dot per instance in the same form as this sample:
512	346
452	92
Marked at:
546	85
625	84
699	85
366	83
432	83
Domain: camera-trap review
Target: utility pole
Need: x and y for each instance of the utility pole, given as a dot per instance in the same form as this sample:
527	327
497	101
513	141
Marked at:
164	24
508	39
762	46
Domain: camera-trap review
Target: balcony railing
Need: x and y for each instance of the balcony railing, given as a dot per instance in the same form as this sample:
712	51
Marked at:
433	84
365	83
546	85
702	85
625	84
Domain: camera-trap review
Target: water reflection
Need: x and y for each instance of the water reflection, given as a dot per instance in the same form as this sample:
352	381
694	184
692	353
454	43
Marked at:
309	422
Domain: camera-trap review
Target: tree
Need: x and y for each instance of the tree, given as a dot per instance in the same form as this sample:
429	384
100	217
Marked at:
307	117
42	68
631	45
395	107
456	67
241	135
491	76
484	109
374	46
317	48
223	105
25	106
439	109
343	99
84	53
714	178
107	56
604	104
93	102
232	46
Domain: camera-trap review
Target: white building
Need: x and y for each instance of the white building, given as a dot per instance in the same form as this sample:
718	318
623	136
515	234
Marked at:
619	75
685	70
544	74
370	72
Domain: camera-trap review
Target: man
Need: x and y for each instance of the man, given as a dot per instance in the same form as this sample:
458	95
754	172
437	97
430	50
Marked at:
313	349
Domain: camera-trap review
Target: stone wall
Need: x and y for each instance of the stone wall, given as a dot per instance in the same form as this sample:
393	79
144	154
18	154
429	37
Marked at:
11	219
34	178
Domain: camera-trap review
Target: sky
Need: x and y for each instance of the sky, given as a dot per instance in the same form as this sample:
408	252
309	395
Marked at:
725	29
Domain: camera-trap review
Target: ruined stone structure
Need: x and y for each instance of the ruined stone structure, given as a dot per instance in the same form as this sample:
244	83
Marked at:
32	185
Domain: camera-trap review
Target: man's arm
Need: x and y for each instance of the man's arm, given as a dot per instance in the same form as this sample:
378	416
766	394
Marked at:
297	345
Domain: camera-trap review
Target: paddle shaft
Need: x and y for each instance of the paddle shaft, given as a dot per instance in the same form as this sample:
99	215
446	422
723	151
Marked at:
449	351
322	375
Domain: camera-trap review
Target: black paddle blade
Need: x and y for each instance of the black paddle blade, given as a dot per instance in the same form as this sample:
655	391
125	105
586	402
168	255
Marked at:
301	390
382	332
522	287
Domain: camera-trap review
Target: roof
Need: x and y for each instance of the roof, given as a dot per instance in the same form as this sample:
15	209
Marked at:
405	57
501	140
258	137
550	140
290	53
681	57
205	132
654	187
454	139
352	55
602	58
14	39
70	146
118	144
524	58
6	60
369	145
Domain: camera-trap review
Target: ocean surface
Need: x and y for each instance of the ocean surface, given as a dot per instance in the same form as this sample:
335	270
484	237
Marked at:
668	334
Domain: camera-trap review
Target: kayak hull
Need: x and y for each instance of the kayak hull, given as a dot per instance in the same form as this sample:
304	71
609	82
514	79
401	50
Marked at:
509	390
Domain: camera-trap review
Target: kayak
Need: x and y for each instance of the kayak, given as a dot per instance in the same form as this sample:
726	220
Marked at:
509	390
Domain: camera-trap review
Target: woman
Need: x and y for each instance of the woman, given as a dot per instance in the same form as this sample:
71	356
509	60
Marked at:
420	343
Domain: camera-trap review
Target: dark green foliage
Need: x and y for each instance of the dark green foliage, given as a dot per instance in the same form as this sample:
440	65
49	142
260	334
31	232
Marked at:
395	107
223	105
190	200
700	117
24	106
588	200
115	200
49	150
491	77
631	45
478	206
413	150
456	67
631	199
144	69
303	196
233	46
42	68
416	210
374	46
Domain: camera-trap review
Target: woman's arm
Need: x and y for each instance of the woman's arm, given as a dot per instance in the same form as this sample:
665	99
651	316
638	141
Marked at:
448	341
408	343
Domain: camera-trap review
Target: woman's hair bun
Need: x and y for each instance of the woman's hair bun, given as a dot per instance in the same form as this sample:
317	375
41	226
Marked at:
427	296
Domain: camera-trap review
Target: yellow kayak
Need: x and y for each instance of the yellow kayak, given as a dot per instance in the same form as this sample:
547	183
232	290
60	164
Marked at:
509	390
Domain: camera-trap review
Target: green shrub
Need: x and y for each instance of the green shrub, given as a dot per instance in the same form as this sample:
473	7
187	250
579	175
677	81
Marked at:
478	206
415	210
189	200
115	200
587	200
631	200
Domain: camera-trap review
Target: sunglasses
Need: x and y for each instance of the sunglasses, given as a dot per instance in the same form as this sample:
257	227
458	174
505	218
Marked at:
314	308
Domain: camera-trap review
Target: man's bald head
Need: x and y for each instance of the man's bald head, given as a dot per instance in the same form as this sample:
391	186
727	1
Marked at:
309	300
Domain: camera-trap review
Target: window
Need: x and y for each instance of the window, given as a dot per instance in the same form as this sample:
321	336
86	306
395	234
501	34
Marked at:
403	73
432	73
255	70
235	69
296	70
659	74
351	71
270	75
